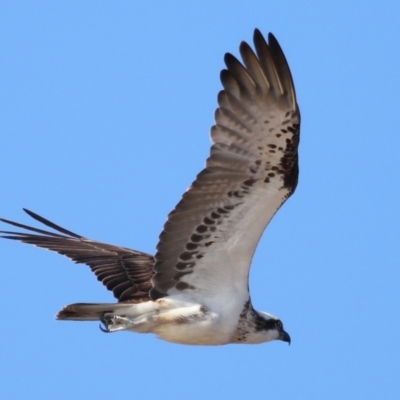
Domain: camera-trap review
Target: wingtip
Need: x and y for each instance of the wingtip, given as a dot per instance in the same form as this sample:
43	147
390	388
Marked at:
29	212
271	37
274	44
272	40
257	35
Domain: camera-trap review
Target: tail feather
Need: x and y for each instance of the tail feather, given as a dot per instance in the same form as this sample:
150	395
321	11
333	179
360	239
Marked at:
88	311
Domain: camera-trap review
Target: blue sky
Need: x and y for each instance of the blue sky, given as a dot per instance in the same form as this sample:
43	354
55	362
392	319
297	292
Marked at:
105	111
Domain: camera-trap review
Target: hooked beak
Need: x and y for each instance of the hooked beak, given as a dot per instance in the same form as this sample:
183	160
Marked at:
284	336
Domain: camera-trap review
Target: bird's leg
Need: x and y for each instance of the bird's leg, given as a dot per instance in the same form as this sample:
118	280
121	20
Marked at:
114	323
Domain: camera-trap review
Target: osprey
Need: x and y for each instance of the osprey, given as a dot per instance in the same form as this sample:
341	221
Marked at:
194	290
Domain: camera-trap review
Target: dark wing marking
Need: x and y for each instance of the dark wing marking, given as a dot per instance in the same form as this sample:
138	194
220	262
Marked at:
251	171
127	273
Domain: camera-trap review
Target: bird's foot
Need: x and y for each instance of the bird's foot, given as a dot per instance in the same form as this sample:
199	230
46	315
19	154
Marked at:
114	323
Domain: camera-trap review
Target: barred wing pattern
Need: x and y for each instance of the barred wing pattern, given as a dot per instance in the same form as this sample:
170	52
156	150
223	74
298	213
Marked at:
127	273
208	241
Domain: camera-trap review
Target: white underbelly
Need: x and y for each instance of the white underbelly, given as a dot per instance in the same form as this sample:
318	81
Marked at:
194	333
186	322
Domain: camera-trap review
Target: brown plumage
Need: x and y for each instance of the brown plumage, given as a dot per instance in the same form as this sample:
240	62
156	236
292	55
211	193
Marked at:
255	138
127	273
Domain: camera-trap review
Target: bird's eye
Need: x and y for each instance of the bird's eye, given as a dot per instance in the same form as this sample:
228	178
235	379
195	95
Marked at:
279	325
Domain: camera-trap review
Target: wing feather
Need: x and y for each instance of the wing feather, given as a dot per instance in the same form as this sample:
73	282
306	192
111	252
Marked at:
127	273
209	239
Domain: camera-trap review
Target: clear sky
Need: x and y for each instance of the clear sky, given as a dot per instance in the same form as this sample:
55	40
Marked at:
105	111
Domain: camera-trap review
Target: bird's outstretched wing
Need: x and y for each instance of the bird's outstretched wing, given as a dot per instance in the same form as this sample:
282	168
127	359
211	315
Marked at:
208	241
127	273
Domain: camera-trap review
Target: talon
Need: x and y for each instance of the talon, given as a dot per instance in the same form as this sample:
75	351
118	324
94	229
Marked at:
112	323
105	330
105	324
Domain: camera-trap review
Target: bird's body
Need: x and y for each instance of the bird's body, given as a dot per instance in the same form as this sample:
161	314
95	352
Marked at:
195	289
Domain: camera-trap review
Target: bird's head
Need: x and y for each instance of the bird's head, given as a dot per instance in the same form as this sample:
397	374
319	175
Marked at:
268	328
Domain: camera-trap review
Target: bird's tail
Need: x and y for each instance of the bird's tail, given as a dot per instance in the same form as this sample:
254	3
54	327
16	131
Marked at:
90	311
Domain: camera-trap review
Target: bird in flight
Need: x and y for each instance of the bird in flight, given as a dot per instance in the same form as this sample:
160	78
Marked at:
194	290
